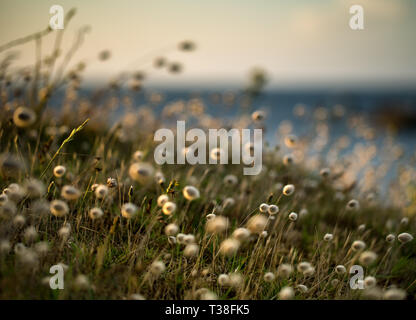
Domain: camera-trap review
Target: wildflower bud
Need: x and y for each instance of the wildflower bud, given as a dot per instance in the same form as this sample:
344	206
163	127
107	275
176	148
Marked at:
96	213
273	209
169	208
269	276
24	117
217	225
405	237
353	205
293	216
286	293
367	258
328	237
264	207
171	229
59	208
358	245
288	189
59	171
157	267
229	247
70	193
190	193
129	210
191	250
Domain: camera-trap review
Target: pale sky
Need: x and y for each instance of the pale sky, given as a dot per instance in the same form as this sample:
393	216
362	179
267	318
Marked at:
299	43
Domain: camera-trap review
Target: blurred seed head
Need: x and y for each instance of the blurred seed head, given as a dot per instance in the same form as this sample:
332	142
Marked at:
24	117
169	208
190	193
129	210
59	208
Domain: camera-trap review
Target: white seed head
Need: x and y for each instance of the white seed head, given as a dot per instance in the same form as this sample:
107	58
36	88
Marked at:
288	189
293	216
273	209
101	191
340	269
162	199
70	193
367	258
141	172
353	205
169	208
287	293
369	282
405	237
303	266
328	237
390	238
59	171
269	276
191	250
230	180
285	270
229	247
96	213
34	188
241	234
223	280
358	245
190	193
257	223
394	294
325	173
264	207
157	267
59	208
24	117
171	229
138	156
302	288
218	224
129	210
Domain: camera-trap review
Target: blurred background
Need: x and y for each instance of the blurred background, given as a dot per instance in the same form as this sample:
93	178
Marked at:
300	58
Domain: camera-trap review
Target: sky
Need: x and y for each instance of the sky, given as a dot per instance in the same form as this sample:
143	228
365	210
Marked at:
303	43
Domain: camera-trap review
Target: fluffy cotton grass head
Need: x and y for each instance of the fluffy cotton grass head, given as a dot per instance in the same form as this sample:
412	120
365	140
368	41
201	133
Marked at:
353	205
394	294
141	172
367	258
218	224
405	237
101	191
171	229
288	190
162	199
287	293
273	210
96	213
70	193
358	245
285	270
34	188
169	208
190	193
24	117
191	250
241	234
257	223
59	171
229	247
269	277
59	208
129	210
